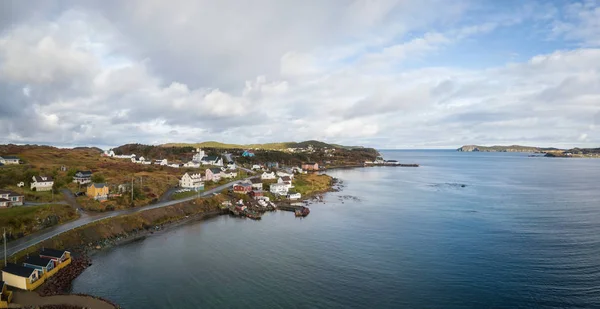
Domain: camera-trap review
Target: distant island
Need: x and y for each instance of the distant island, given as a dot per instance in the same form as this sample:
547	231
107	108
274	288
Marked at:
549	152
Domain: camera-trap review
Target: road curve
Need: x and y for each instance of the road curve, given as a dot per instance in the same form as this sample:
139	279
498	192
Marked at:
35	238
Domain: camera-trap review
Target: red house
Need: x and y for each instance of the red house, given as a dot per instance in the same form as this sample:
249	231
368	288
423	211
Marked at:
242	188
256	193
310	166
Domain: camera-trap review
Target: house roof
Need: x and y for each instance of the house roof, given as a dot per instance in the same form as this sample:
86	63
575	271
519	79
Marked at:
40	179
10	193
215	170
18	270
38	261
84	173
210	158
4	200
243	184
286	178
52	252
10	157
255	180
98	185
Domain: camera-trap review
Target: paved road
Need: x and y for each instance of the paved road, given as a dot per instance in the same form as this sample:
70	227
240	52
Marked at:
35	238
46	203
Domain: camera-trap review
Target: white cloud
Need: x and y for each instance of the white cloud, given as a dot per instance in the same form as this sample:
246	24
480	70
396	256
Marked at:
273	71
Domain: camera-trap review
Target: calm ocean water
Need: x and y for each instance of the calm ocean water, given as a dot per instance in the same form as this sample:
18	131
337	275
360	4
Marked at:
522	233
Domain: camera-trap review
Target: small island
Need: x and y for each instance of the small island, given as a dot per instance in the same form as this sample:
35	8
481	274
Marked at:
548	152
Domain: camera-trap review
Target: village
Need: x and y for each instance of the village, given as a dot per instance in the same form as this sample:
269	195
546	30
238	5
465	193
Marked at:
248	184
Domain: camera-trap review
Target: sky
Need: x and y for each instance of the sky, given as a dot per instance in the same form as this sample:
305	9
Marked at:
384	74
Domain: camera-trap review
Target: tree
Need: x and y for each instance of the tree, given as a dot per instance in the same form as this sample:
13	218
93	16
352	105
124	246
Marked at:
97	178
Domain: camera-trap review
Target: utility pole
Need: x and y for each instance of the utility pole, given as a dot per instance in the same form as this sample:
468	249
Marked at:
5	247
132	178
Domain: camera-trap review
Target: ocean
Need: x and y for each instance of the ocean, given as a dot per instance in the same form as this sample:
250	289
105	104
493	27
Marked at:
463	230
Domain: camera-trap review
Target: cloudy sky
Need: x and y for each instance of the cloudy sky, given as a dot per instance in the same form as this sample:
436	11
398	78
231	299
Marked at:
388	74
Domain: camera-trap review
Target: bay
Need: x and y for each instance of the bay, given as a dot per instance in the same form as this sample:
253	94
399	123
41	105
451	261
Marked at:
464	230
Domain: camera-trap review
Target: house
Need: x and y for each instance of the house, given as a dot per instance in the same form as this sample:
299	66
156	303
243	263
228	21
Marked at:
21	184
42	183
82	177
212	160
108	153
267	176
256	194
248	154
286	180
124	187
278	188
294	196
310	166
192	164
10	198
213	174
256	184
297	170
5	295
97	191
9	160
256	167
242	188
228	173
231	165
272	165
21	277
42	264
173	165
285	174
192	181
161	162
141	159
59	257
63	168
198	155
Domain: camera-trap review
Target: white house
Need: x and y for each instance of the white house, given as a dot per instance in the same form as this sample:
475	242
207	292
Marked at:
294	196
256	184
198	155
192	181
228	173
298	170
9	160
231	166
256	167
212	160
267	176
108	153
21	184
286	180
161	162
42	183
285	174
278	188
213	174
192	164
173	165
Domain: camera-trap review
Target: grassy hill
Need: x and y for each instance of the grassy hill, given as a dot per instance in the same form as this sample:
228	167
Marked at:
267	146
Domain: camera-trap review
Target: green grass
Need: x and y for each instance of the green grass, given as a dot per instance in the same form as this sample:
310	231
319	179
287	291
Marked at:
23	220
182	195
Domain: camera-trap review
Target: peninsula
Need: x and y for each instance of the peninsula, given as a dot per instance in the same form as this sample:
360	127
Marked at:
548	152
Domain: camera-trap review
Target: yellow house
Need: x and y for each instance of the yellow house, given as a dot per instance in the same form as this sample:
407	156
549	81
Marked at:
97	191
5	295
21	277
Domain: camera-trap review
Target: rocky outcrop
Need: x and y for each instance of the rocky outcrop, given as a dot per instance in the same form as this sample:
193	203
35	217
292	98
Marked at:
512	148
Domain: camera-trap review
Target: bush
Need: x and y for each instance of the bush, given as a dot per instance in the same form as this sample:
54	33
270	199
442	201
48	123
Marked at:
98	178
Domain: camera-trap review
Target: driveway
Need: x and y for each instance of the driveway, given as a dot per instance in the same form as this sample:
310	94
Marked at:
167	195
35	238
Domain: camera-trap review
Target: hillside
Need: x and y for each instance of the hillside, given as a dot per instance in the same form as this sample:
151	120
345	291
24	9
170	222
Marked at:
268	146
511	148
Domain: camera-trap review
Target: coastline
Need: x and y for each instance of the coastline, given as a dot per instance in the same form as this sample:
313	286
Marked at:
86	241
